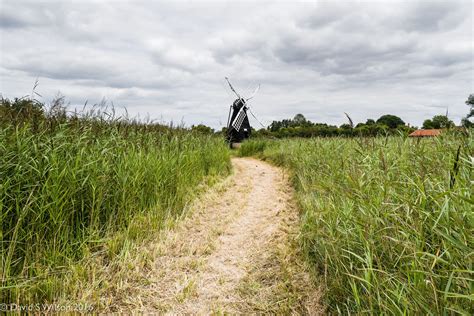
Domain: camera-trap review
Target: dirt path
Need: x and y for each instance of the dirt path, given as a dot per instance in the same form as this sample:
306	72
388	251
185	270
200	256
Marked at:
235	253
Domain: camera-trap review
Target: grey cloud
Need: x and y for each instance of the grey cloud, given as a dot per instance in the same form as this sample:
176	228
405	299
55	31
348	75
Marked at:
336	54
335	51
432	16
65	71
8	21
169	59
18	14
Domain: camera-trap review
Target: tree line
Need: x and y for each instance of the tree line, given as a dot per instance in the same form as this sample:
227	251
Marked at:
387	124
299	126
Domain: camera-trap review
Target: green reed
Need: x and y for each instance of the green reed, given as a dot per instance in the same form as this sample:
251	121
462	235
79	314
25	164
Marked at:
383	223
67	185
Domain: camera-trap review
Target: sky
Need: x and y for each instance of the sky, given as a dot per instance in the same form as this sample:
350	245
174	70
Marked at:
168	60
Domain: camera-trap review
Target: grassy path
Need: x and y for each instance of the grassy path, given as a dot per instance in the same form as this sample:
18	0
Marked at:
234	253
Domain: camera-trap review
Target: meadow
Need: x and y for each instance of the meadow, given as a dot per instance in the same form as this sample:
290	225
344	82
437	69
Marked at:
77	186
387	223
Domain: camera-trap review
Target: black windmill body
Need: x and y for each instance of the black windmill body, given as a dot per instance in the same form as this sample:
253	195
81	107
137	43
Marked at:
238	128
238	125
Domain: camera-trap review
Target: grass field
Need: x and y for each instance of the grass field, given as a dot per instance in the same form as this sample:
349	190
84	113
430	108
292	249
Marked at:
74	188
387	223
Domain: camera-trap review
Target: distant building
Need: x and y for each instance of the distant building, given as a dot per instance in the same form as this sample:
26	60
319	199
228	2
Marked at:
425	133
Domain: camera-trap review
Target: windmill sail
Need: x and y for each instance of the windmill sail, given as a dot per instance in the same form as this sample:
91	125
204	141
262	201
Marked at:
239	119
232	88
254	93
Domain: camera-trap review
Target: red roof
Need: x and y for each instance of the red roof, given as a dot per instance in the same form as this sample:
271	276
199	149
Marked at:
425	133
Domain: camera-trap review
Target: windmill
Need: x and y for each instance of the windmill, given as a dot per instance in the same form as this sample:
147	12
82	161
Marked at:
238	125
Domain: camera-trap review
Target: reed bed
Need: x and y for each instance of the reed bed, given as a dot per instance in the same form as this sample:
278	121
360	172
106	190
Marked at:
387	223
69	184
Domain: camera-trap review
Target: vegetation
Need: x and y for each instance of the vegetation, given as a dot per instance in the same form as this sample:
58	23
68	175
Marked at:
387	222
299	126
203	129
437	122
470	103
387	124
87	184
391	121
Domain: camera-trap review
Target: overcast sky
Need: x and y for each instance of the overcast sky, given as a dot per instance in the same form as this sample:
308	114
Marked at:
413	59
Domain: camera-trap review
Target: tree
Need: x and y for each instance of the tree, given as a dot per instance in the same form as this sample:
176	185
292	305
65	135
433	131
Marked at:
19	110
428	124
262	133
469	102
203	129
442	121
391	121
299	119
370	122
362	129
277	125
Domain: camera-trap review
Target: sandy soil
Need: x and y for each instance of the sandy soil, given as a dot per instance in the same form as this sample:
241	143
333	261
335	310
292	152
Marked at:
234	253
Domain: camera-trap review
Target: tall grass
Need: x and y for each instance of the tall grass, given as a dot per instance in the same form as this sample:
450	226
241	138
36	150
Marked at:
257	145
68	184
383	223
